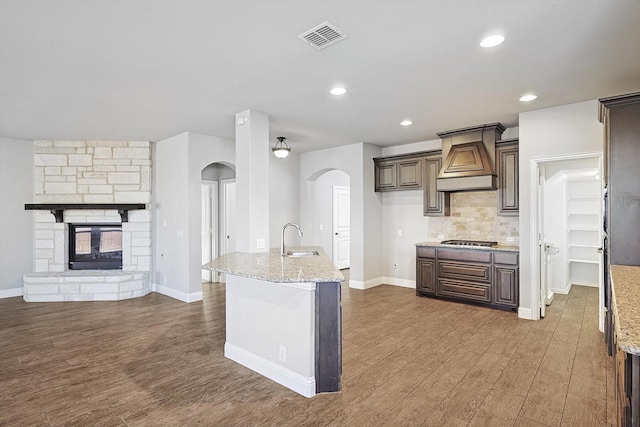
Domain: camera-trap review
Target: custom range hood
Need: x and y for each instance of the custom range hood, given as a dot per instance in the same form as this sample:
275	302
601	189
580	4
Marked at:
469	158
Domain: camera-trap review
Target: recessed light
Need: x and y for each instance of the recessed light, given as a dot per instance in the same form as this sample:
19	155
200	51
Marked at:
406	123
528	97
492	41
338	91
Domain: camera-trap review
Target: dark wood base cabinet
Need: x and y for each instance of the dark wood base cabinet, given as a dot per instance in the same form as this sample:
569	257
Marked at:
487	277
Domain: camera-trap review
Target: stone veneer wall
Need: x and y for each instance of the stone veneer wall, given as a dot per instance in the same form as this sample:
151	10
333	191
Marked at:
474	216
91	172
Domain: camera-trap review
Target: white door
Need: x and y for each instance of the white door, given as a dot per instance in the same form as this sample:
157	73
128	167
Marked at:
209	221
341	227
542	246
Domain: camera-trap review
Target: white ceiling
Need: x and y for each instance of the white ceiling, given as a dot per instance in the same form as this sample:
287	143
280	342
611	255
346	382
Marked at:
148	70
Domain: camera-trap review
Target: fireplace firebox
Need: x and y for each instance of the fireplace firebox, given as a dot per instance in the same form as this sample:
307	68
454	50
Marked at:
95	246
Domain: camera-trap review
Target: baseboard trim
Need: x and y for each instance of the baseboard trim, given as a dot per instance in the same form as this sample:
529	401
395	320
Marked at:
11	293
286	377
525	313
180	296
404	283
371	283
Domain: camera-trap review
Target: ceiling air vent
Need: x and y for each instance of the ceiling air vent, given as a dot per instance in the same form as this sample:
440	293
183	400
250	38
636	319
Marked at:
323	35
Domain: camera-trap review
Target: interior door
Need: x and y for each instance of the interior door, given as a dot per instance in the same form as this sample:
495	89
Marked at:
342	227
542	247
208	203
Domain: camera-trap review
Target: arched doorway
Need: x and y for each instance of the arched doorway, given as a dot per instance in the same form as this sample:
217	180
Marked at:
218	202
330	215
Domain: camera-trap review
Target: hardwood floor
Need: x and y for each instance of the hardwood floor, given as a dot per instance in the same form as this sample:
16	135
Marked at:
407	361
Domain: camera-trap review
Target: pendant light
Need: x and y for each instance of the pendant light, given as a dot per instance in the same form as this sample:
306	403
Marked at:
281	149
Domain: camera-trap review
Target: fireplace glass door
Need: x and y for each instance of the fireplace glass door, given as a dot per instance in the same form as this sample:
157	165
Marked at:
95	246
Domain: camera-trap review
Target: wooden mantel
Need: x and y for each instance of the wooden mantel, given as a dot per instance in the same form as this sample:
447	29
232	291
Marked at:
57	209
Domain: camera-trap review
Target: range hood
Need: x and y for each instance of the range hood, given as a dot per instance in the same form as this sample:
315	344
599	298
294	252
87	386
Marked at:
469	158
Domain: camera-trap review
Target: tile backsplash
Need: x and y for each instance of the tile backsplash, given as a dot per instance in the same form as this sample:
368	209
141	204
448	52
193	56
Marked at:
474	216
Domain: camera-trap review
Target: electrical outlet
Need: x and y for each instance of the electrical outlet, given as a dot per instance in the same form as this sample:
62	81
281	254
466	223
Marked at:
260	244
440	236
399	232
511	239
282	354
321	227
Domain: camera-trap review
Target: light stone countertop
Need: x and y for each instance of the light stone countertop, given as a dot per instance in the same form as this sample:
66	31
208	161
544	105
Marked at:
500	247
625	290
272	267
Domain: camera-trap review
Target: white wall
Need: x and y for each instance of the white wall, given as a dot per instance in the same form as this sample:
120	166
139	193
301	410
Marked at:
552	132
355	160
178	164
252	179
16	224
284	202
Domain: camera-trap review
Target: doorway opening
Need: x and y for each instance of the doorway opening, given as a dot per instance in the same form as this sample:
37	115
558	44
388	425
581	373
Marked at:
218	204
331	216
568	228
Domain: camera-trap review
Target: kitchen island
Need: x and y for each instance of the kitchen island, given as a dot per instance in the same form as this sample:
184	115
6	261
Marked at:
625	304
283	317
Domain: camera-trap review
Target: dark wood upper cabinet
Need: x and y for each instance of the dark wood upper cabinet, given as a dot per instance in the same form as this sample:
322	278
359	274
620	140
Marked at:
436	203
621	117
508	179
386	175
398	173
410	174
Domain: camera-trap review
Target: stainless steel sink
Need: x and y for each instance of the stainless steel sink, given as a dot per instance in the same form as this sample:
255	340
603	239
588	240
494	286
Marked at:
302	252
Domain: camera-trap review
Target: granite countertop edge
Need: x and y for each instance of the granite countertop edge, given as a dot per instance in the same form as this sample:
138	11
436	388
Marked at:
625	282
271	267
500	247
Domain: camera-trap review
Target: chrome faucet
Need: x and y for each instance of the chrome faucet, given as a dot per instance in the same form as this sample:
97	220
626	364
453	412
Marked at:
282	237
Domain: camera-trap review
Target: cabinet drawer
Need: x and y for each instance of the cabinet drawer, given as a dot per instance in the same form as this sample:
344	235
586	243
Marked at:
465	271
464	255
425	252
510	258
464	290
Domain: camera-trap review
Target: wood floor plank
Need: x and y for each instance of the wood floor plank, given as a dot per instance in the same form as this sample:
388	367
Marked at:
583	411
545	401
407	361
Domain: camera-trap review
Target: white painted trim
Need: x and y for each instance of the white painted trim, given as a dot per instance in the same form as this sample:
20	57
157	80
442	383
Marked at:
371	283
10	293
286	377
525	313
180	296
404	283
534	279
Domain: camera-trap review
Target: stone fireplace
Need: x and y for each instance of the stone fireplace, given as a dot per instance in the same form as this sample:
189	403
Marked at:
84	175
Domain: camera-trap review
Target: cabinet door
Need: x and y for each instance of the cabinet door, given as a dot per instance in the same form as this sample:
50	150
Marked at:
386	174
436	203
426	277
505	285
410	174
507	167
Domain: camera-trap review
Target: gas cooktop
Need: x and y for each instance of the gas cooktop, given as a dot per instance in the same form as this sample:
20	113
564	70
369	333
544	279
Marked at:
469	243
